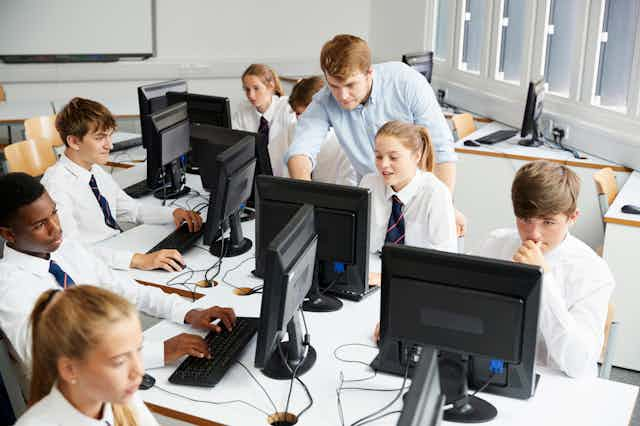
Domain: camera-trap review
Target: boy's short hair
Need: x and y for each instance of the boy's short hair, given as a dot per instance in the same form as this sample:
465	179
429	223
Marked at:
303	91
81	116
17	190
345	55
544	188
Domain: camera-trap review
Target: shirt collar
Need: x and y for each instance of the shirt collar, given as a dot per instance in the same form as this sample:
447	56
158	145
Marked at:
27	262
270	112
73	417
553	255
408	192
75	169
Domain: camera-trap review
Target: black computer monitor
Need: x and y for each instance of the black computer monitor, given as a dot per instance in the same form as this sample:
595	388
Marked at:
288	277
166	149
423	403
421	62
342	221
152	98
482	314
235	168
532	114
204	109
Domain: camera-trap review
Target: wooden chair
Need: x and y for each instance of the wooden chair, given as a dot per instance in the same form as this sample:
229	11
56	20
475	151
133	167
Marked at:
609	344
463	124
30	156
43	127
3	96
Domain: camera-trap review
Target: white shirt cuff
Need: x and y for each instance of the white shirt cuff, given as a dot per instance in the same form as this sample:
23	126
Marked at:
153	354
180	310
122	259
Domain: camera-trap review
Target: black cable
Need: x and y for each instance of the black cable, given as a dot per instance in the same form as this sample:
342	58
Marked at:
366	364
259	384
254	290
233	401
480	389
306	389
332	283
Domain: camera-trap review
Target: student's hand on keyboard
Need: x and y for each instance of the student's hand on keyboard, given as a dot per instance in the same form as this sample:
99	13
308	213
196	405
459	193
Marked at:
191	218
461	223
375	279
169	260
185	344
202	318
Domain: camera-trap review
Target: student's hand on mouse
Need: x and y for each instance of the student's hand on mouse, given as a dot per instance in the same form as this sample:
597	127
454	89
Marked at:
202	318
375	279
530	253
461	223
185	344
168	259
193	219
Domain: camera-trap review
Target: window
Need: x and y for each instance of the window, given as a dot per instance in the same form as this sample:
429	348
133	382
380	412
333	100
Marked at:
442	28
511	40
561	43
472	35
615	53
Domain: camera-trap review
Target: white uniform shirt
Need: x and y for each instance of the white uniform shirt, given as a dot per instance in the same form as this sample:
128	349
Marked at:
279	115
55	410
81	217
575	298
429	216
23	278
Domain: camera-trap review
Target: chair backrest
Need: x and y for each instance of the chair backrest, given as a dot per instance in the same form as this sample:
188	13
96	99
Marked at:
606	187
13	381
43	127
33	157
609	343
3	96
463	124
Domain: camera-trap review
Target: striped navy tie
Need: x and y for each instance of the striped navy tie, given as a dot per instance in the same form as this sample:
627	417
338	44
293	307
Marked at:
104	205
63	279
395	229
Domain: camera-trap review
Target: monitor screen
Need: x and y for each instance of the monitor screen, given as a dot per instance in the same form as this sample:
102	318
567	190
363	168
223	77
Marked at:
175	142
421	62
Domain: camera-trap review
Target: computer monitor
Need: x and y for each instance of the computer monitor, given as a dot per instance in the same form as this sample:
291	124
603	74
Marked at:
482	315
152	98
166	148
421	62
423	403
235	168
291	259
342	221
204	109
532	114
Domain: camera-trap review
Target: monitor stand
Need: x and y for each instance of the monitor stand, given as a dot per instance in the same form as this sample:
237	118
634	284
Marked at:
318	302
236	244
536	138
280	368
175	188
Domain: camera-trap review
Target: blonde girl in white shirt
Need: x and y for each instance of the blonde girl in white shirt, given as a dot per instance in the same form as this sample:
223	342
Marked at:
410	205
86	360
266	112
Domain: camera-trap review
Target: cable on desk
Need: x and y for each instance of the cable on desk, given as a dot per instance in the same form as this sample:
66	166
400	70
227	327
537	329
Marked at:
332	283
259	384
254	290
233	401
366	364
381	416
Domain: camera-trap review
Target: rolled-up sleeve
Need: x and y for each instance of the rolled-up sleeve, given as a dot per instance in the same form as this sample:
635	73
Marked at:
426	112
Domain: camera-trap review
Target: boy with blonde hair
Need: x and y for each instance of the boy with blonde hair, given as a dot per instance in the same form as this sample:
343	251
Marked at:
577	283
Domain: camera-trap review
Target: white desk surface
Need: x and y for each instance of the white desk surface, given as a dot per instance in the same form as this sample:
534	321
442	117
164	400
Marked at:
510	148
18	111
558	400
126	107
629	194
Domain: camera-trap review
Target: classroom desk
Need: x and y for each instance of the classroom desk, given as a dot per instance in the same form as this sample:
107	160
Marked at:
621	248
15	112
594	401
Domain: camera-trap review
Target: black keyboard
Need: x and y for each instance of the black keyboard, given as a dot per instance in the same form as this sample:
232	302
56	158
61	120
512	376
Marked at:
495	137
180	239
138	189
225	348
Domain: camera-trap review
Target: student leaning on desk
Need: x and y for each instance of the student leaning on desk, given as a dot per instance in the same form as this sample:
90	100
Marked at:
359	99
89	200
37	258
86	365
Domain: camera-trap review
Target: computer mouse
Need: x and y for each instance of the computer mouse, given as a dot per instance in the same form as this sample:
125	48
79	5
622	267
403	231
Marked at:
631	209
147	382
470	142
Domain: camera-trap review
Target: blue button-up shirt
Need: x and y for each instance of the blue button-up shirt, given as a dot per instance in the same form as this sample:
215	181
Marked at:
398	93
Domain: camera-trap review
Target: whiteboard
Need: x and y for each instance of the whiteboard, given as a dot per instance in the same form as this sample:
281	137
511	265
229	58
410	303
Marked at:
76	27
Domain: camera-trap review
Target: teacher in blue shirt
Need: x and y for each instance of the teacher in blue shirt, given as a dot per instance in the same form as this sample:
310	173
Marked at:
359	99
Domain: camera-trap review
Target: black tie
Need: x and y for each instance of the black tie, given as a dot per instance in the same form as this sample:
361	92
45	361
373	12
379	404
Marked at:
263	130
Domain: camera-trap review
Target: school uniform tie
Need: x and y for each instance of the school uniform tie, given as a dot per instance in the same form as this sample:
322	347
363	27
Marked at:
63	279
104	205
395	230
263	129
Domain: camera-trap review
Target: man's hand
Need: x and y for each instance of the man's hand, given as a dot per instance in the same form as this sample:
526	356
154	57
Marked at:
185	344
193	219
530	253
168	259
300	167
201	318
375	279
461	223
